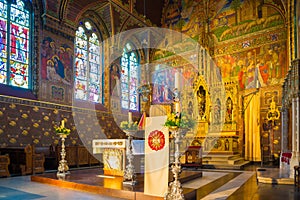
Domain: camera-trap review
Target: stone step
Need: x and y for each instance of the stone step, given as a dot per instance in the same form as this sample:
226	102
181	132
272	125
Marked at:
240	165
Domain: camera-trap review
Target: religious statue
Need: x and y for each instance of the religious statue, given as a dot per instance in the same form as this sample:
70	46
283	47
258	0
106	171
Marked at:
201	95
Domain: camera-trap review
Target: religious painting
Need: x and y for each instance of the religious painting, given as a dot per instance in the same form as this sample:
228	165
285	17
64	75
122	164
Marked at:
163	84
115	76
57	61
257	67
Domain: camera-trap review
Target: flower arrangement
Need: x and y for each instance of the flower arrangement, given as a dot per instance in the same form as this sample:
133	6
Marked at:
62	129
125	125
179	120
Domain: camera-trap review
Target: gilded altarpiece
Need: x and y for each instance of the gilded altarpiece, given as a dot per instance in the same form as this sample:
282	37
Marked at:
220	134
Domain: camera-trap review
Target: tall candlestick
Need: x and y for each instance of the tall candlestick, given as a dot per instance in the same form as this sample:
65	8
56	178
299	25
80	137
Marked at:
176	80
62	123
130	117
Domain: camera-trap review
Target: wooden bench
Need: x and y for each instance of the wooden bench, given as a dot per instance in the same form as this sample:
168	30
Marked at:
24	160
4	162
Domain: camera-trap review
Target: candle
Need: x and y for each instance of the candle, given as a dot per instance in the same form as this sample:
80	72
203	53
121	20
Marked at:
177	107
176	80
62	123
130	117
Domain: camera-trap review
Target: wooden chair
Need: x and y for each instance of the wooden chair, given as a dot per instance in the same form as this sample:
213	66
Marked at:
4	162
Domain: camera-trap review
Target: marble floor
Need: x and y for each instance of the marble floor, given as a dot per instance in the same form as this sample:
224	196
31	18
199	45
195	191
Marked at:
214	184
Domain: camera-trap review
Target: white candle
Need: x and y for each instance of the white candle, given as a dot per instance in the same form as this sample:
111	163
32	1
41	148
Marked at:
62	123
130	117
177	107
176	80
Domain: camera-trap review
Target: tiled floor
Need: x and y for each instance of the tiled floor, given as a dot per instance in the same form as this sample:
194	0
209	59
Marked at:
243	185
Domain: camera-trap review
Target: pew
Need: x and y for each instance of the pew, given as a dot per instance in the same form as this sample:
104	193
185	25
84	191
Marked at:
23	160
4	162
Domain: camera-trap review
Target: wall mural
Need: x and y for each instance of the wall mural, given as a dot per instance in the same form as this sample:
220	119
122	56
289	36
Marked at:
163	83
255	60
56	61
258	67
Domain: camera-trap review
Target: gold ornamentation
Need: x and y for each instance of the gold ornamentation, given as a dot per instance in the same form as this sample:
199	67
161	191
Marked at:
35	108
1	131
12	123
46	118
12	140
36	141
36	125
25	132
24	116
12	106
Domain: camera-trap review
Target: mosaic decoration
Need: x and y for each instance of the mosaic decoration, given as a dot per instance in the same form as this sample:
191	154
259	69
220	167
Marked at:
17	72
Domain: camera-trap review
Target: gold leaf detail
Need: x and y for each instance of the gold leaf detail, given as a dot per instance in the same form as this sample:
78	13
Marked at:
36	141
55	111
12	106
36	125
25	116
1	113
12	140
35	108
24	132
1	131
12	123
46	133
46	118
73	142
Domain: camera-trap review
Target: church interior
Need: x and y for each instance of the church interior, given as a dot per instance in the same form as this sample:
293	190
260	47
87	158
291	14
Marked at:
202	95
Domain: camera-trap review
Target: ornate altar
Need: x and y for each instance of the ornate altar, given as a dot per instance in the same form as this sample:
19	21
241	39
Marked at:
217	116
113	151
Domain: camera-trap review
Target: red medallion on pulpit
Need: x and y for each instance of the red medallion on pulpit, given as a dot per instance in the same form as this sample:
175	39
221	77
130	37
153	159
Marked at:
156	140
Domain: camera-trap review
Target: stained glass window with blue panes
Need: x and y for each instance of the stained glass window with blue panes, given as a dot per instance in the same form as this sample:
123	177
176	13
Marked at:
88	70
129	78
15	43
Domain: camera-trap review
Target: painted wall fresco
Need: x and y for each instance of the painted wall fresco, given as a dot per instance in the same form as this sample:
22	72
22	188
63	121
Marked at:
257	67
248	37
56	61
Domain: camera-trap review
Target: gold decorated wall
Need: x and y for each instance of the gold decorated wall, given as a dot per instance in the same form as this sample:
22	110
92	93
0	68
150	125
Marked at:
28	117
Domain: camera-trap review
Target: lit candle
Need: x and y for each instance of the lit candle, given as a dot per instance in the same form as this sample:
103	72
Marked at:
62	123
130	117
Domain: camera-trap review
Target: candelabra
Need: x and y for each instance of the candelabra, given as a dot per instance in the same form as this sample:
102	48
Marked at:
63	166
129	174
175	191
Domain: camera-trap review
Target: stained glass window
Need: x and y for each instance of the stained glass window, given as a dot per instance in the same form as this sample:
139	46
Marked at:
129	79
14	43
88	67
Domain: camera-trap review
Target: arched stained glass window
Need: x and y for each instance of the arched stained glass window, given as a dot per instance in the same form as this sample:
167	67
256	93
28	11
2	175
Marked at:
15	33
129	78
88	64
